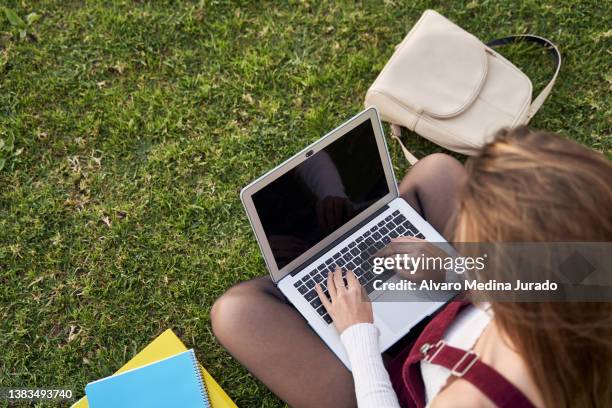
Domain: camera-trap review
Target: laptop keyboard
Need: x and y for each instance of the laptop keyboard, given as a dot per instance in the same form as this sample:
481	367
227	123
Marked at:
357	256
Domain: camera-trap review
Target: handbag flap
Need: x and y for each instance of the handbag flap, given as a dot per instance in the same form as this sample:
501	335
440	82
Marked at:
438	69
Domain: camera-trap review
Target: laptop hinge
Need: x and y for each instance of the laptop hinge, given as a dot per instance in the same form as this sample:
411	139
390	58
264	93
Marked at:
339	239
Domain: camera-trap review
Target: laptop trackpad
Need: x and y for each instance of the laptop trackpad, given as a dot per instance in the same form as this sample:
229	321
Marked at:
395	315
401	315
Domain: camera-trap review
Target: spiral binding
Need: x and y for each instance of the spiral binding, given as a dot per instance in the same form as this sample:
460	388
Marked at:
203	388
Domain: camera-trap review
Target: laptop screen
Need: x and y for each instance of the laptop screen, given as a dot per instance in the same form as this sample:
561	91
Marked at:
315	198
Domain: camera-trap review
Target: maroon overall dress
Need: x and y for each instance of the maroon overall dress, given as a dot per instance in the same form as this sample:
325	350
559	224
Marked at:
405	370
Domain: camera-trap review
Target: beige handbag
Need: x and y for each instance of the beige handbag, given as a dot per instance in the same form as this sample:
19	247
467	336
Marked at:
447	86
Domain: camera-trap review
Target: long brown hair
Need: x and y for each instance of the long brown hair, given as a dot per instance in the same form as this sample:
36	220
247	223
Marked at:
528	186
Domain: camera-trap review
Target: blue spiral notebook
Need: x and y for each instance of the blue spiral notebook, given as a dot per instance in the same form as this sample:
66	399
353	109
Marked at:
173	382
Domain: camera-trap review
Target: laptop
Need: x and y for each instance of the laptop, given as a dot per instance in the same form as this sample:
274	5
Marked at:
337	203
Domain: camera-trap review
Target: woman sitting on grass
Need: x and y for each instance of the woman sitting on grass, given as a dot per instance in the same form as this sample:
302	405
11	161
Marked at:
523	187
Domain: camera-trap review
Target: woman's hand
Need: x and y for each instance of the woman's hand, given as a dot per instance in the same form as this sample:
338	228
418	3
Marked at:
348	304
414	248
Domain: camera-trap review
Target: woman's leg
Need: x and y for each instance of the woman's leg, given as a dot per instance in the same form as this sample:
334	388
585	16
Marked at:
432	188
255	323
267	335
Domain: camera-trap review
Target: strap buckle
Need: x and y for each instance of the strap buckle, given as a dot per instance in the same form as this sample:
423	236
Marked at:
468	359
438	346
455	370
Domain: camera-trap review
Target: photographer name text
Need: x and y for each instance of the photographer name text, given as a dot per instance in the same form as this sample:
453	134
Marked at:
474	285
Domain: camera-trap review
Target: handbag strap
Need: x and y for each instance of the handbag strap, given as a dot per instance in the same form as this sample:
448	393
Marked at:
396	132
554	52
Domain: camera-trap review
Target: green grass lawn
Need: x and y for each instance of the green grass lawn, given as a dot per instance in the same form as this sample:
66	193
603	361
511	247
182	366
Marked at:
129	128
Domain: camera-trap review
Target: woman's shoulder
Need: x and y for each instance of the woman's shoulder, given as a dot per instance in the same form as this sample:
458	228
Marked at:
459	394
495	351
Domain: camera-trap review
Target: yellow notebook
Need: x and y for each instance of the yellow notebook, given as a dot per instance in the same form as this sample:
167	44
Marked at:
167	345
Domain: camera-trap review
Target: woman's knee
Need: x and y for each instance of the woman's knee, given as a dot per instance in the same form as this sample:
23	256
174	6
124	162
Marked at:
434	170
222	312
232	312
439	163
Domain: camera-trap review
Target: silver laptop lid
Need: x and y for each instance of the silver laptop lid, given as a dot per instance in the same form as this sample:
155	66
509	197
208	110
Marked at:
320	194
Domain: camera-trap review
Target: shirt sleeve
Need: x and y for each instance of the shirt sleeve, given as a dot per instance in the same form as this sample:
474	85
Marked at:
372	383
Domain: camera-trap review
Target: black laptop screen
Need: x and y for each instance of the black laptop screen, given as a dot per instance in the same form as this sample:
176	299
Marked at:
312	200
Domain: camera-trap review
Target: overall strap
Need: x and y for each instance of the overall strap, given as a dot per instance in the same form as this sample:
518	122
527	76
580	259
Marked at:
434	331
554	52
467	365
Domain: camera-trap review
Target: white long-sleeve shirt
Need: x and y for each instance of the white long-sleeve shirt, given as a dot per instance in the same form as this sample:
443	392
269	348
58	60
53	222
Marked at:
372	383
